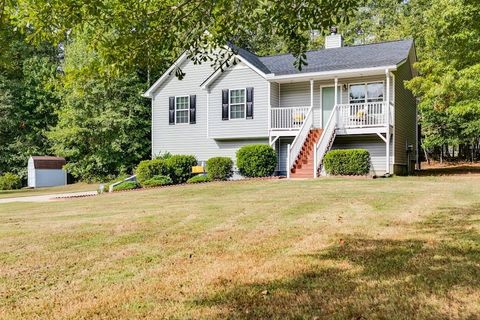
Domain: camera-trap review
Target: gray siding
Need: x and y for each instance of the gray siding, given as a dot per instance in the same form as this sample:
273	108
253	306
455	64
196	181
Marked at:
238	78
295	94
274	95
189	138
372	143
405	115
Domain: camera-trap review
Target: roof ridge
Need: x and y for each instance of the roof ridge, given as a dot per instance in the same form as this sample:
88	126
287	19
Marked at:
323	49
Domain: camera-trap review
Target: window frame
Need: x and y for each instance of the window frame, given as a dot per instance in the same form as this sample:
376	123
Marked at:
365	84
230	104
188	110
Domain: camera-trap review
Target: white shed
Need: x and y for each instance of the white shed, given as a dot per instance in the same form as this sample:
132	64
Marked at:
45	171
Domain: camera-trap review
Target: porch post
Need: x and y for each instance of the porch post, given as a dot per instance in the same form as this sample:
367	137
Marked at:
269	116
387	110
288	161
336	91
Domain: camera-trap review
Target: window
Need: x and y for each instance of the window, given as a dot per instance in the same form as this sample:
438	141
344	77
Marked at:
237	104
181	109
366	92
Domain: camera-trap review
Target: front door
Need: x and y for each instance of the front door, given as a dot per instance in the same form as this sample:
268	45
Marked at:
328	102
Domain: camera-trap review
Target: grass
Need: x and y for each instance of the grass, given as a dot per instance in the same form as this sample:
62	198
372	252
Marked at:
400	248
76	187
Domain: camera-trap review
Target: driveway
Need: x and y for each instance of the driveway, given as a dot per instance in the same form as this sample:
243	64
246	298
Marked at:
49	197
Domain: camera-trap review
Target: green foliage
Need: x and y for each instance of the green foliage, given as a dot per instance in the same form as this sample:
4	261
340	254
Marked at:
10	181
177	167
180	167
127	185
104	124
28	99
148	35
352	162
157	181
148	169
219	168
198	179
256	160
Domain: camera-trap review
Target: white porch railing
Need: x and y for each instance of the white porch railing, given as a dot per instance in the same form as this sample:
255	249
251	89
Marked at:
288	118
326	139
297	144
360	115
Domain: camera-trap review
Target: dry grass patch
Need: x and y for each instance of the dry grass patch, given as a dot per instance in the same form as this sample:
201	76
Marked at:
330	248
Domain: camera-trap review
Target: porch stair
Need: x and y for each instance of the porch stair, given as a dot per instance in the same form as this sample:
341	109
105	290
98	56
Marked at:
303	166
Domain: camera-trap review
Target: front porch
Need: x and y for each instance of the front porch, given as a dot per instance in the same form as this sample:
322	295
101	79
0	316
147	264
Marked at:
362	106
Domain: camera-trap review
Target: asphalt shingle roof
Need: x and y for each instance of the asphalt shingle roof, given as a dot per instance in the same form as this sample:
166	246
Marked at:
352	57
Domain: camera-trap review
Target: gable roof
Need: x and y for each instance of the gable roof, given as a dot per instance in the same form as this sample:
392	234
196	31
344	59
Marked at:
48	162
376	55
353	57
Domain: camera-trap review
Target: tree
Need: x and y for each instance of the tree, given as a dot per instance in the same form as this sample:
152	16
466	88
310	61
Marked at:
150	34
103	126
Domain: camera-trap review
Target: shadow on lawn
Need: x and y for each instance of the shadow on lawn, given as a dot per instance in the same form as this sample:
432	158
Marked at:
367	278
450	171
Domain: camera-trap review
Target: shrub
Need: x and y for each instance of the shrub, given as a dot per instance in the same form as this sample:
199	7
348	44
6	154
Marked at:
127	185
180	167
347	162
150	168
199	179
256	160
10	181
219	168
157	181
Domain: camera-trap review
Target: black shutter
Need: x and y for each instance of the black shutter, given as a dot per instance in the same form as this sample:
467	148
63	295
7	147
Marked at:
225	97
171	111
193	109
249	103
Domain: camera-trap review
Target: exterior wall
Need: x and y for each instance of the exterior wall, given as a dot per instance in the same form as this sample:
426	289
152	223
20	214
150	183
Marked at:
194	138
405	120
238	78
274	95
49	178
372	143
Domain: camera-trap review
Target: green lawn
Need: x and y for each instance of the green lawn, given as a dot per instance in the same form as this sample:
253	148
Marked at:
76	187
399	248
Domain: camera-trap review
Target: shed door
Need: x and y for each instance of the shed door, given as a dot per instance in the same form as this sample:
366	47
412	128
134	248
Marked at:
328	102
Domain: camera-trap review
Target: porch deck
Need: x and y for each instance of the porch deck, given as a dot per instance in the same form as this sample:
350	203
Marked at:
352	118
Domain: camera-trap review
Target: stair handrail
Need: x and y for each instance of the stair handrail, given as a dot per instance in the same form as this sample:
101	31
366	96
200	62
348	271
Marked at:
323	143
299	140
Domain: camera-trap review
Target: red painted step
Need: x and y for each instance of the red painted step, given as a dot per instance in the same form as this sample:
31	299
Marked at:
303	166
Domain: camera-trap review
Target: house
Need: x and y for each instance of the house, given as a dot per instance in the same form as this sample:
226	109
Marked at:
46	171
346	97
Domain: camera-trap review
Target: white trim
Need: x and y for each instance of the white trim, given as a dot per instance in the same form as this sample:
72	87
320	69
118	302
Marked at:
208	107
244	104
188	109
217	72
269	107
152	126
387	98
149	92
272	76
393	115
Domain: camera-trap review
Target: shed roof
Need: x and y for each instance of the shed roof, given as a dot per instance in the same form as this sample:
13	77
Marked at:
48	162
